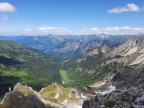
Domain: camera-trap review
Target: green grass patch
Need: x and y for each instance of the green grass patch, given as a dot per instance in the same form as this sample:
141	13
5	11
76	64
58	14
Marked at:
64	77
15	73
49	88
52	94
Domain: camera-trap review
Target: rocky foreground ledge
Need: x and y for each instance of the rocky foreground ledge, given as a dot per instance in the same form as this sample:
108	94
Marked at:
25	97
131	98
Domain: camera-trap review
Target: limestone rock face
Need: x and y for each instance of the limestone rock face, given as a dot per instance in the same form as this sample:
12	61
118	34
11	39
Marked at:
130	53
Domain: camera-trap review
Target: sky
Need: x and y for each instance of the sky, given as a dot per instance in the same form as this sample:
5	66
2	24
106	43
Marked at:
42	17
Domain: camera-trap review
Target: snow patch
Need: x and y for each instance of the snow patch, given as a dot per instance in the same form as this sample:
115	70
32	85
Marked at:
83	96
111	88
76	106
57	95
66	101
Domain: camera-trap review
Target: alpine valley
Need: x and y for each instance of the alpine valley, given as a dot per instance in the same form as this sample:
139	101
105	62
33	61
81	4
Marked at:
72	71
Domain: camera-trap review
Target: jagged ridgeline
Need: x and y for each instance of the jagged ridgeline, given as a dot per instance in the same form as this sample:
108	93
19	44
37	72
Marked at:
26	66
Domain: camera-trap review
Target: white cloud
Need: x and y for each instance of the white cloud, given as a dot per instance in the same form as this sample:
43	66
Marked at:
4	17
137	29
62	31
133	7
51	28
130	7
125	28
112	29
6	7
94	29
118	28
54	30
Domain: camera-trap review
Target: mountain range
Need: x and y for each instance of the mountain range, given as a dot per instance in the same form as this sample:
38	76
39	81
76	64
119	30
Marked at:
70	69
66	46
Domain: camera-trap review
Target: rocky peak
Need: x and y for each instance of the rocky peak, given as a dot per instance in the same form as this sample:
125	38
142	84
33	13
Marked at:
25	97
98	50
129	93
131	98
129	47
130	53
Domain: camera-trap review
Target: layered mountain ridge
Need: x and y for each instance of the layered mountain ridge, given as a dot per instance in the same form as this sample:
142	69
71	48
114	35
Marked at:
71	49
130	53
52	44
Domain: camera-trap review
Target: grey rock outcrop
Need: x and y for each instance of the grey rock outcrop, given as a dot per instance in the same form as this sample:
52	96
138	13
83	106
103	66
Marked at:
131	98
128	77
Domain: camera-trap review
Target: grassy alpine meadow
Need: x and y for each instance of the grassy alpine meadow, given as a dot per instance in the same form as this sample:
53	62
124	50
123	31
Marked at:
64	76
20	64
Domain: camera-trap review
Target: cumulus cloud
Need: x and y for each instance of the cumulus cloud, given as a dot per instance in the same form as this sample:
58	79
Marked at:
54	30
51	28
6	7
94	29
118	28
123	28
86	31
130	7
113	30
4	17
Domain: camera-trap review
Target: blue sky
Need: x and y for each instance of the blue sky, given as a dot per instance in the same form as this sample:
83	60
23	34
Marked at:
34	17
